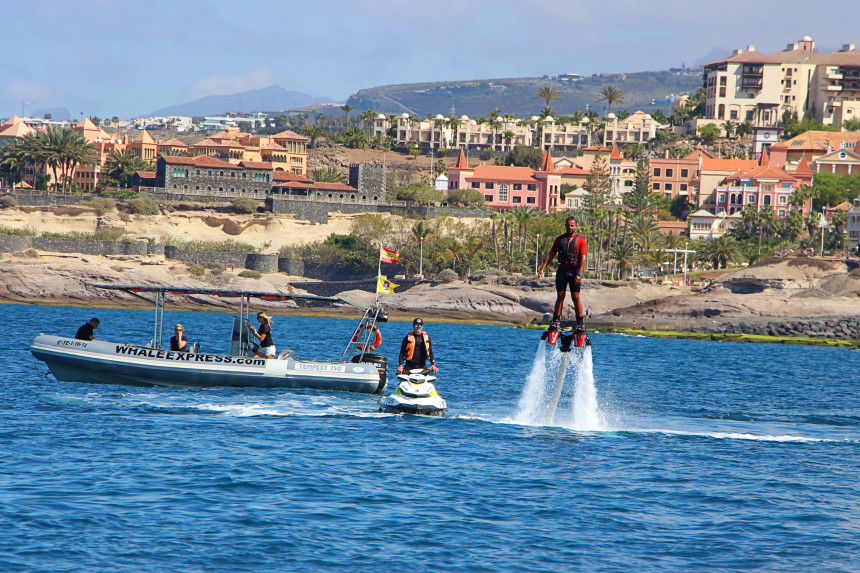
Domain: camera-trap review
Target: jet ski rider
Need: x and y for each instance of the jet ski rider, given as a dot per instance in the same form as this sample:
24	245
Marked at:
416	349
572	251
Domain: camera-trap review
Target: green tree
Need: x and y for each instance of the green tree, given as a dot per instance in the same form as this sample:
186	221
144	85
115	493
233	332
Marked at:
709	133
611	95
639	199
346	109
465	197
121	167
597	184
523	156
314	132
548	94
327	175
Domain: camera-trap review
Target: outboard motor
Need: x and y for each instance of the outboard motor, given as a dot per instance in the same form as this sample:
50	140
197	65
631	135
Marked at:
381	363
241	347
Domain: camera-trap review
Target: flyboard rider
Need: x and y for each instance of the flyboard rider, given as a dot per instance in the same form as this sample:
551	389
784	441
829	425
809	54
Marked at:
572	250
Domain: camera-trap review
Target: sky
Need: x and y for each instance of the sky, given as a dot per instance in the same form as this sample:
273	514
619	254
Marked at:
124	58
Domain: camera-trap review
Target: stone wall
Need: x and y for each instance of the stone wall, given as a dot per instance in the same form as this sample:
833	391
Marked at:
835	327
317	211
332	288
251	261
11	244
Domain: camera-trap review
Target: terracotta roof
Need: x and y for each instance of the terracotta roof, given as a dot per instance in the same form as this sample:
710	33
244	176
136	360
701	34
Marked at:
616	155
574	171
206	143
819	140
764	159
146	174
547	162
16	129
461	161
172	142
288	176
199	161
272	147
288	134
503	173
765	172
802	167
144	137
256	164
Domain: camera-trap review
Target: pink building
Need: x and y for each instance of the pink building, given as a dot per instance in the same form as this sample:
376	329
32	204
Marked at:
763	185
510	187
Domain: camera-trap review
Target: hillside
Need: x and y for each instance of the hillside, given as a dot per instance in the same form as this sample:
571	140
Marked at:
518	96
272	98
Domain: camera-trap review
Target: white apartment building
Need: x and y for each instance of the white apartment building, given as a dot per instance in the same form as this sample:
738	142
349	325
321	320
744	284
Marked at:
759	88
636	128
852	227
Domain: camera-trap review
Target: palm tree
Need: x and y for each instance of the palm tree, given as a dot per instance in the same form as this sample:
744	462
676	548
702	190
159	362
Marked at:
313	132
624	256
121	167
611	95
327	175
346	109
368	116
548	93
474	245
493	218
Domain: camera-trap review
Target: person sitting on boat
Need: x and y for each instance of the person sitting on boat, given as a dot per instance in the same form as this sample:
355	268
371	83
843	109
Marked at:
85	332
178	342
416	349
264	335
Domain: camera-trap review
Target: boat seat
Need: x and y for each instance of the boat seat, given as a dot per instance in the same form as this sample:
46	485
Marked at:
284	354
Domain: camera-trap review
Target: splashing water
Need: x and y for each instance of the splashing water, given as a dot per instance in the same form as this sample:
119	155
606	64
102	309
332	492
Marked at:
548	384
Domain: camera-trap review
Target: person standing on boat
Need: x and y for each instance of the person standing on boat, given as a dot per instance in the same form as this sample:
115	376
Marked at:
264	335
178	342
572	251
416	349
85	332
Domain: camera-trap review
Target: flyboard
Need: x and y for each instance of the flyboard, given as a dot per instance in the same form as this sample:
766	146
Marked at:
565	336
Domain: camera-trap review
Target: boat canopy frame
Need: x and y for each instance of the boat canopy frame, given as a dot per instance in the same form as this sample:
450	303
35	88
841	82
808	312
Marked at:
359	342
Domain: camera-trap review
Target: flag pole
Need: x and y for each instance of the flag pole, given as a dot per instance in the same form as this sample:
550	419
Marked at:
379	270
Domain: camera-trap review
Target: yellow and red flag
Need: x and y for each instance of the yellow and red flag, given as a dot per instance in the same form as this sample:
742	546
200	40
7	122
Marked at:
385	285
389	255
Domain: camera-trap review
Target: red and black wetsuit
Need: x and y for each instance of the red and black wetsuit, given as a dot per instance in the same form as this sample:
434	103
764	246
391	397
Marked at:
571	250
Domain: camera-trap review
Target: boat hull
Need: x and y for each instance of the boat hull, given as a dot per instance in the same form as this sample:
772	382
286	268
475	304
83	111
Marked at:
103	362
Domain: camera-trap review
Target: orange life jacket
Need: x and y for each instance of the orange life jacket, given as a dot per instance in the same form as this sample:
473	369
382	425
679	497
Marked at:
410	344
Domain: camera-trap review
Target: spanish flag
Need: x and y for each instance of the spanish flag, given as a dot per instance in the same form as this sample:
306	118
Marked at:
385	285
388	255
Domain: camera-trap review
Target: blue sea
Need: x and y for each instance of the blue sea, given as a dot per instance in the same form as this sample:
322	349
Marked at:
663	455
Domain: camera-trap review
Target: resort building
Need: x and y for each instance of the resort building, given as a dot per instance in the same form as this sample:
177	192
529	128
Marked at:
812	145
761	186
852	225
705	225
203	174
842	161
510	187
673	176
637	128
759	88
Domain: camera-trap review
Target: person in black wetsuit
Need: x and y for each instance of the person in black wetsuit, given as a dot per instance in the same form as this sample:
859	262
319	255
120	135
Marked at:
178	342
85	332
572	251
416	349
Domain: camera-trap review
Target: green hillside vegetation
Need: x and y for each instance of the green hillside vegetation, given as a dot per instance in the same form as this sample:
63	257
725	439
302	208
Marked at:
518	95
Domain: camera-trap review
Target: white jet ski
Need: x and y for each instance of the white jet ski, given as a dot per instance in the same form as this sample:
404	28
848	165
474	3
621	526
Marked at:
415	394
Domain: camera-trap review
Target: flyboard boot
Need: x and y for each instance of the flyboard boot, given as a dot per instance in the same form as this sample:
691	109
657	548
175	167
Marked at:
552	333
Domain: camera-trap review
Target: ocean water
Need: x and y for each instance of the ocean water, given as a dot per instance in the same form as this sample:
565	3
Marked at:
663	455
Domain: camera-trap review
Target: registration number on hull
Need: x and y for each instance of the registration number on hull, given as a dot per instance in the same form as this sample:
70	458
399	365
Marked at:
321	367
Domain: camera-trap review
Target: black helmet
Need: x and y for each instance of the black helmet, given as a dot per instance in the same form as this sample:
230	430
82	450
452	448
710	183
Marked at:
417	322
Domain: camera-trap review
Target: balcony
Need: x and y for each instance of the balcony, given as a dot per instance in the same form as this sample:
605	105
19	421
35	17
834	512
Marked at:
833	88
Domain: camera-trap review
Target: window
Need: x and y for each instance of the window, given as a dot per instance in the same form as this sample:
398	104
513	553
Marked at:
782	200
781	213
722	198
733	114
751	199
503	192
656	172
476	185
530	200
750	115
670	172
667	187
655	186
683	187
685	173
488	197
518	186
489	185
531	187
517	199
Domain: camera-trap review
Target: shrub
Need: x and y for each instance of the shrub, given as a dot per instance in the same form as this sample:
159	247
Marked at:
196	270
446	276
249	274
28	254
102	205
25	232
244	205
226	246
8	202
144	204
212	266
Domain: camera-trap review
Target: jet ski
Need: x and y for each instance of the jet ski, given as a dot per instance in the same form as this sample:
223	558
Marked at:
415	394
569	334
